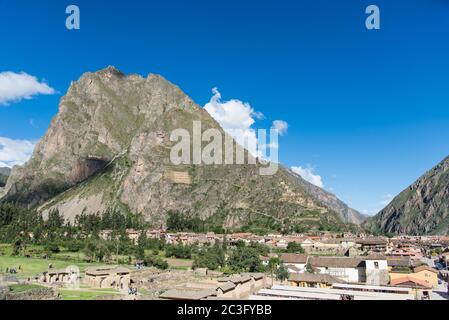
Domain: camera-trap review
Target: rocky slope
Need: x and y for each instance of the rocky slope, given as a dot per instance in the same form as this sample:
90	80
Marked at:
109	146
422	208
331	201
4	174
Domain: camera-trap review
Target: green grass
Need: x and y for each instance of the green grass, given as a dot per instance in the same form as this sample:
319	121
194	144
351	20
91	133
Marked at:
33	266
109	290
16	288
84	295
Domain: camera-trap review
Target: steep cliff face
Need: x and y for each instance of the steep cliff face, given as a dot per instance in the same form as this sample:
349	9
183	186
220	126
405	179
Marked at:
422	208
109	146
4	174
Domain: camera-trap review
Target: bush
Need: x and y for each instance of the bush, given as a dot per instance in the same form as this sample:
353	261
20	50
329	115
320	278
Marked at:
52	248
178	251
155	261
294	247
74	246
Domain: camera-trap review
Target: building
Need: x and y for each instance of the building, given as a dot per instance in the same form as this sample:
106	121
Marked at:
420	288
376	271
427	274
108	277
422	274
346	269
235	287
185	293
372	244
312	280
63	276
395	262
242	286
294	262
281	292
370	269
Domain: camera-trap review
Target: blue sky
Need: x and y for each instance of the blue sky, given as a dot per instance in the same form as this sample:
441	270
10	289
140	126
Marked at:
368	111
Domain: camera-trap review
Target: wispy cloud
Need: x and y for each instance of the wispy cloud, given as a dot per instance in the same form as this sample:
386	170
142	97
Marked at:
18	86
15	152
309	175
281	126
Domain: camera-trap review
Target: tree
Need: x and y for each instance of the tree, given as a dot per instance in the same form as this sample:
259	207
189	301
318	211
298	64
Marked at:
273	265
7	213
175	221
97	250
18	246
309	268
224	245
54	225
245	259
294	247
141	245
282	273
240	243
178	251
211	258
262	249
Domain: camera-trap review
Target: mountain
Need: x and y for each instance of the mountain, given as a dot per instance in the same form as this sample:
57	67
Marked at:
109	147
331	201
4	174
422	208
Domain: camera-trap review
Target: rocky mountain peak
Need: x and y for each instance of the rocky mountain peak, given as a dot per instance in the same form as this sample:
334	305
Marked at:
422	208
109	146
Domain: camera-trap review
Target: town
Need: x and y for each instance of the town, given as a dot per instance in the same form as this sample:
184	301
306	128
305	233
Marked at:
203	266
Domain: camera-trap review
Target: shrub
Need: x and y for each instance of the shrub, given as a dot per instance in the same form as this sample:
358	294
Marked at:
52	247
155	261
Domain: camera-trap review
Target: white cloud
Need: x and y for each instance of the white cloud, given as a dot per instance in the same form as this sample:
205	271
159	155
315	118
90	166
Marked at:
15	152
17	86
370	212
232	114
236	118
280	126
309	175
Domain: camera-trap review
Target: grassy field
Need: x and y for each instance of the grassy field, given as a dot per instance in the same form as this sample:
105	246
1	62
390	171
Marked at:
85	295
34	266
179	264
16	288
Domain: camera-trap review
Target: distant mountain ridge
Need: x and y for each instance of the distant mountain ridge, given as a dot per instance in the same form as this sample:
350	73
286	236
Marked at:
330	200
422	208
109	145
